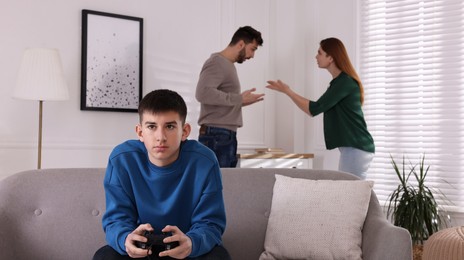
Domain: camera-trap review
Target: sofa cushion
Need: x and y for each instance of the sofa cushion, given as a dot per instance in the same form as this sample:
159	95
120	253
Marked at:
52	214
332	212
248	200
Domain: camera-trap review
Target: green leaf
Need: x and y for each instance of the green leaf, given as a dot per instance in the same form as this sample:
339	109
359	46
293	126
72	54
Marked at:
412	205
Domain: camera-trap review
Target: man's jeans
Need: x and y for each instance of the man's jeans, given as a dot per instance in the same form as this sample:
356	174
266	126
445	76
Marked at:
223	142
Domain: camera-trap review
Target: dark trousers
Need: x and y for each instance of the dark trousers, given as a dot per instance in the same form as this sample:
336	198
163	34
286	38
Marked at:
108	253
223	142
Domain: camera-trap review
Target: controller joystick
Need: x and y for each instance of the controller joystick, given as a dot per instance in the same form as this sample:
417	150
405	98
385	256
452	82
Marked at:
156	240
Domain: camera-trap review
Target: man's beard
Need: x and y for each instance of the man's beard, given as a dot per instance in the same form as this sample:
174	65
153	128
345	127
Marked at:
241	56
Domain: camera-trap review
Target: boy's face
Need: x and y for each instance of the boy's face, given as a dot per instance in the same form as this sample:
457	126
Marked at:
162	134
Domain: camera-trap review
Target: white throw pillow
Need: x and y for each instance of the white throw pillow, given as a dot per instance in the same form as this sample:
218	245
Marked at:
316	219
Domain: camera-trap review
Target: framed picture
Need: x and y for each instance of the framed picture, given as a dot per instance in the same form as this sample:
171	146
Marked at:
111	72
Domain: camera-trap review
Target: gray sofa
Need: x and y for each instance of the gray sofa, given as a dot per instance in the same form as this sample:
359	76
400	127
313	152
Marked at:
56	214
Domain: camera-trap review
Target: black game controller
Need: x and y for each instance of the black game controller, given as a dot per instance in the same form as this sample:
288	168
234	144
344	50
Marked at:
156	240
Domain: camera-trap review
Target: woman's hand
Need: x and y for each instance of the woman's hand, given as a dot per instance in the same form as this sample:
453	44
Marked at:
300	101
278	86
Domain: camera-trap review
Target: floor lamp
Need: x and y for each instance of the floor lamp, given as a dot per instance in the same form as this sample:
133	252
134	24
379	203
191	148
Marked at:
41	78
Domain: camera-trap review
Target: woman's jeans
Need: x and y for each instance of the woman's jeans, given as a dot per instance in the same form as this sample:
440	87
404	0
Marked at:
223	142
355	161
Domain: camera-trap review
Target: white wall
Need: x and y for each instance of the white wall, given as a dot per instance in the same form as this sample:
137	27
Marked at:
178	37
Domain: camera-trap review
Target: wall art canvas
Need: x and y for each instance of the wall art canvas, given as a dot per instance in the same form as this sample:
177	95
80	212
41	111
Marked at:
111	78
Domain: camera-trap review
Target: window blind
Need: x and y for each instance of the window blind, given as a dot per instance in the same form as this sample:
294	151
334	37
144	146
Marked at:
411	63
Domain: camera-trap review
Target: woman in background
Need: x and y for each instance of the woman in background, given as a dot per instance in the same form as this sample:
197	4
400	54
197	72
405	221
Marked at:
344	124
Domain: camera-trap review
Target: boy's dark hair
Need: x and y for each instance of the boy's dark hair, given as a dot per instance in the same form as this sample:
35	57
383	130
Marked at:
163	100
247	34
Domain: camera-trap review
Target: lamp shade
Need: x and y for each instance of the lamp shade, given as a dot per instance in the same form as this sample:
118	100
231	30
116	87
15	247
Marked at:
41	76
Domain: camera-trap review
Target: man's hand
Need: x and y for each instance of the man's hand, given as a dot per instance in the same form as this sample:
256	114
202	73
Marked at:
137	235
248	97
185	244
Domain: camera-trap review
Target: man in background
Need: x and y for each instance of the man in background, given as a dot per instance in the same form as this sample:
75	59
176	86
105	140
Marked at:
219	92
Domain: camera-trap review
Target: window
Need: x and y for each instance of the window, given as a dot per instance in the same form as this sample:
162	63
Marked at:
412	68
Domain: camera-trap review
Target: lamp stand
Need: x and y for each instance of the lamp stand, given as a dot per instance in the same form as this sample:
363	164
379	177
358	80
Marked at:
40	78
39	152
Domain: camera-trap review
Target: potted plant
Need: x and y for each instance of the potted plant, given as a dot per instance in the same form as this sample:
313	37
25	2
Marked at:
412	205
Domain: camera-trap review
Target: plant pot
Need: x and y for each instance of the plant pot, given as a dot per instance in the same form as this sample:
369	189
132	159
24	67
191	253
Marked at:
417	252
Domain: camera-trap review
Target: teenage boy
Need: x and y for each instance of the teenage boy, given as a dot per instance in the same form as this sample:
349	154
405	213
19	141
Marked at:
163	183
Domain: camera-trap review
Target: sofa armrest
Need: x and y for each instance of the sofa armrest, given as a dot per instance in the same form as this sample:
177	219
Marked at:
381	239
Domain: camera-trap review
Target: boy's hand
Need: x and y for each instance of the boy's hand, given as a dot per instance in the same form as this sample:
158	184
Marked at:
137	235
185	244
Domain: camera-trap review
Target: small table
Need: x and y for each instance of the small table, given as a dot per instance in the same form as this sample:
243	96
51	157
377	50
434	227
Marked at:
276	160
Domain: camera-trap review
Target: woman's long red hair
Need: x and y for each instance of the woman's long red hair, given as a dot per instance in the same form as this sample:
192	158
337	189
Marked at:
335	48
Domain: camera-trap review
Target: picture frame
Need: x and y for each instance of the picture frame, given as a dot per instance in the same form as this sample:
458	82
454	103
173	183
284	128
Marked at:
112	61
